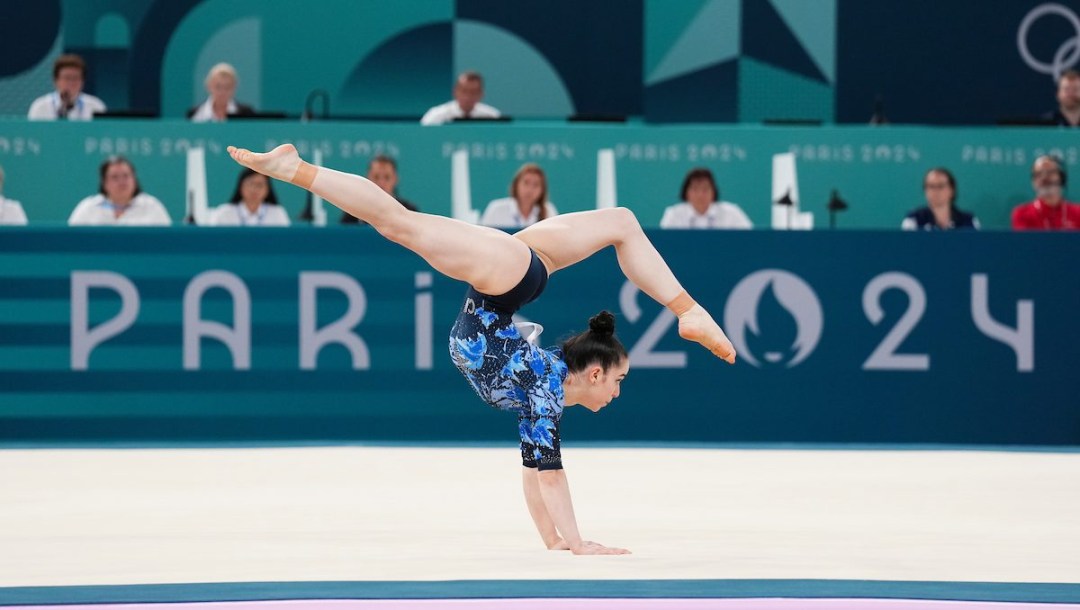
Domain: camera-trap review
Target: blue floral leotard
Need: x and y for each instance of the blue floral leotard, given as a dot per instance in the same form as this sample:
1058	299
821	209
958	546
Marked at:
510	373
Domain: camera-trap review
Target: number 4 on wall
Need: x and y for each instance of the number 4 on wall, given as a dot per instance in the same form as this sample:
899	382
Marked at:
1021	339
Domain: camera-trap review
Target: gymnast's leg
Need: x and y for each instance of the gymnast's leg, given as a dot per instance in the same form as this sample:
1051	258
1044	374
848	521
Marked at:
561	241
489	260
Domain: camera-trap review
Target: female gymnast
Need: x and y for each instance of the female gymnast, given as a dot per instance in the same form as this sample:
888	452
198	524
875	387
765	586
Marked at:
505	272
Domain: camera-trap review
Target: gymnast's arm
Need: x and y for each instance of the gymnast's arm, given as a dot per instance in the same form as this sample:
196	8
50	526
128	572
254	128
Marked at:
535	502
555	492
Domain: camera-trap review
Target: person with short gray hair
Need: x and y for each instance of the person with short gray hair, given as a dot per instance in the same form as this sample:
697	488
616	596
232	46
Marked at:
221	103
468	91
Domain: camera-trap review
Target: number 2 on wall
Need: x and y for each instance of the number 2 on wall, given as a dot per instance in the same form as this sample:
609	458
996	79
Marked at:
884	357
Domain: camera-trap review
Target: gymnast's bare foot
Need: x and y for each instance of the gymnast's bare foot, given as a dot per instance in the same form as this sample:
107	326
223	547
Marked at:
280	163
695	324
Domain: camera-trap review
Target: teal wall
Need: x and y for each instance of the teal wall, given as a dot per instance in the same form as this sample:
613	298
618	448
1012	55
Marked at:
664	60
50	167
843	337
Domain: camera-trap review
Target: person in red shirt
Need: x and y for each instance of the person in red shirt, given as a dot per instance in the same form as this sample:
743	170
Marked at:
1049	211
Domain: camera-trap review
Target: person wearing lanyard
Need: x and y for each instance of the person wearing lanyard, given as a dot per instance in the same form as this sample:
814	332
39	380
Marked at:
940	212
67	102
253	204
1049	211
701	207
120	200
527	204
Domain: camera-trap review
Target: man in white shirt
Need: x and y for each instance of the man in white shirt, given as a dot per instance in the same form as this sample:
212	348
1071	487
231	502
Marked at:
11	211
67	101
468	91
701	209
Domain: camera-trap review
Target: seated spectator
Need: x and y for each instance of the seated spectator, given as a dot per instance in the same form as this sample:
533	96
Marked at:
253	204
468	91
68	100
219	105
701	207
527	204
382	170
120	200
11	211
1049	210
940	212
1068	96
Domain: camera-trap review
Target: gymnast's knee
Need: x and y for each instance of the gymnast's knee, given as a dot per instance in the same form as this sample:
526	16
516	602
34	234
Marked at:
624	219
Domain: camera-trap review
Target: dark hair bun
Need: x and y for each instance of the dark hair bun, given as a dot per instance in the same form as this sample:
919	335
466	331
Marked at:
602	324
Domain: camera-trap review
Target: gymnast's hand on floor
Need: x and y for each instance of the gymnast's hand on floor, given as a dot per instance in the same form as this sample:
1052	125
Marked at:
588	547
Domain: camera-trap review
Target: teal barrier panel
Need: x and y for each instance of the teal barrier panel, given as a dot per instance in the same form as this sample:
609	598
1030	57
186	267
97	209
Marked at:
199	334
50	167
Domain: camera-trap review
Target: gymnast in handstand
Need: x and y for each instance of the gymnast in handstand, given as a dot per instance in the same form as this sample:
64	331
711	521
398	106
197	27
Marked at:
504	273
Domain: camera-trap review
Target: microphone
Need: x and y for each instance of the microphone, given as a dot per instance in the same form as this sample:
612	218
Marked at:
66	104
309	105
879	117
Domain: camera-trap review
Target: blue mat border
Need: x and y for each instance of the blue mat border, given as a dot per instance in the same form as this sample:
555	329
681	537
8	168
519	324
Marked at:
261	444
504	589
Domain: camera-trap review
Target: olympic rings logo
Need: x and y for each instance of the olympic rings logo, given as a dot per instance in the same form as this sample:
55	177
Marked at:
1067	54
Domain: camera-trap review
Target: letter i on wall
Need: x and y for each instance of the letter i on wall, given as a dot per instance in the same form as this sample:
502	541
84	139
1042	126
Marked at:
424	322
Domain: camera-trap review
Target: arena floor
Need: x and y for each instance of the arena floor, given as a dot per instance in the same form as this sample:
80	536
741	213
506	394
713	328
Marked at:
361	527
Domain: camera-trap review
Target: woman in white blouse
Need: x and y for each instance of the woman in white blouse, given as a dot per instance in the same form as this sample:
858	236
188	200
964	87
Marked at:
253	204
527	204
11	211
220	102
120	200
701	207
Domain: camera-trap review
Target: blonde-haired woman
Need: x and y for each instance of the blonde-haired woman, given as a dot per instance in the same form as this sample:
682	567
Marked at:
220	103
527	204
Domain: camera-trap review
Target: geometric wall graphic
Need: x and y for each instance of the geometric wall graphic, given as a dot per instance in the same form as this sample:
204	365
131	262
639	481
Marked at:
710	36
520	81
403	76
595	49
665	60
741	60
27	31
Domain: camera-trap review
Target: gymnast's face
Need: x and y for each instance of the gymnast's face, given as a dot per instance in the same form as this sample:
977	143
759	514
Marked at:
603	386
